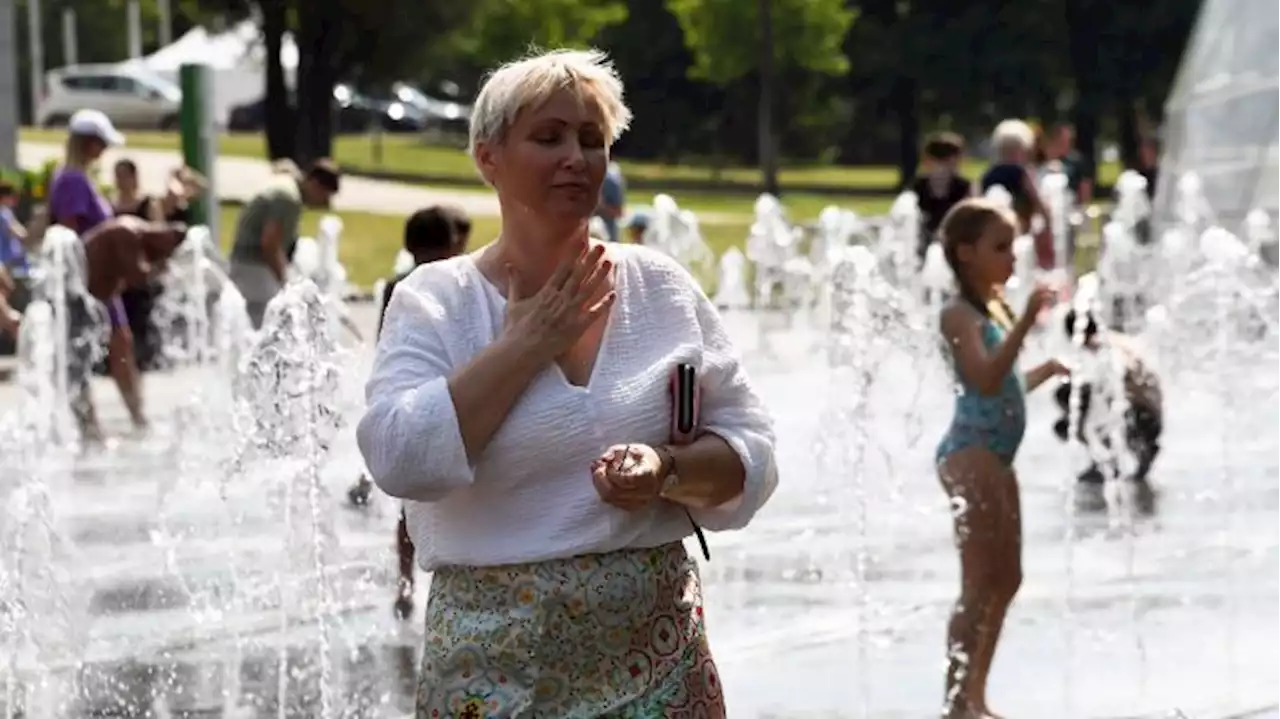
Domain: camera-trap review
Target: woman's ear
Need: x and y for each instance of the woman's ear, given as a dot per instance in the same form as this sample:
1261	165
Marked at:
487	161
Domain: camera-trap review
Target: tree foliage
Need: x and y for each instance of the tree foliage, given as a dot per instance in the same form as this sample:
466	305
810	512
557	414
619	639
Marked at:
500	30
724	35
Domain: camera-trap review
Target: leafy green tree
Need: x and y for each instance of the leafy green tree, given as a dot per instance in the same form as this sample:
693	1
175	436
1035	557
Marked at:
496	31
724	35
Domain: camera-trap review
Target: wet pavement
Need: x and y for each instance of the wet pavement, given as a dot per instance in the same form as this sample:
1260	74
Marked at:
180	586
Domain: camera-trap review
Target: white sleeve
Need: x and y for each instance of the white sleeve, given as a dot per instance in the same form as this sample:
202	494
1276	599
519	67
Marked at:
732	411
409	433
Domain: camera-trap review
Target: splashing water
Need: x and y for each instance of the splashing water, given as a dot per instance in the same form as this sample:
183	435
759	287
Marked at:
291	408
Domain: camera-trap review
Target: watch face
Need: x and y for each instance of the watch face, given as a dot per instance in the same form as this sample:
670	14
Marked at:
669	482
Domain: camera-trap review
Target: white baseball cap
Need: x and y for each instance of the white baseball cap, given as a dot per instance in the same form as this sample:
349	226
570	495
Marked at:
93	123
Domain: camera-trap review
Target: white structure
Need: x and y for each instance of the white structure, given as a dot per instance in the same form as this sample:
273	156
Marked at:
1221	119
238	59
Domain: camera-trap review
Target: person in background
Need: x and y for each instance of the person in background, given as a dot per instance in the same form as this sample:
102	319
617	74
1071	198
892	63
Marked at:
130	199
1143	403
461	227
74	199
10	318
637	225
76	203
185	184
267	231
118	254
612	200
1148	164
13	258
1060	151
430	235
13	236
139	299
1013	142
941	186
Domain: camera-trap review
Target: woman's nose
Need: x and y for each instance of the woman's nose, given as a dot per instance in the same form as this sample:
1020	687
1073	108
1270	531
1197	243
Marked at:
574	156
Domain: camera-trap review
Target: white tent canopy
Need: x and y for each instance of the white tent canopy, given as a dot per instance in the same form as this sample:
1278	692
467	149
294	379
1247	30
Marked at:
1221	116
237	57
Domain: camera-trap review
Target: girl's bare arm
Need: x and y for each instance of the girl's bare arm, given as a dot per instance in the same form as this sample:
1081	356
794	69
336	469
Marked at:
981	368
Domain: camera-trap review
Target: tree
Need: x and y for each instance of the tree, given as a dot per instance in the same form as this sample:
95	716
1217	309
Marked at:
497	31
731	39
724	35
372	42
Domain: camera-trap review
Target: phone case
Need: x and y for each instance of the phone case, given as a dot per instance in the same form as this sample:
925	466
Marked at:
686	400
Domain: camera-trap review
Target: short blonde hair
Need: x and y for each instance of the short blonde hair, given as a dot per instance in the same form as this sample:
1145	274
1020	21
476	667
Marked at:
532	80
1011	134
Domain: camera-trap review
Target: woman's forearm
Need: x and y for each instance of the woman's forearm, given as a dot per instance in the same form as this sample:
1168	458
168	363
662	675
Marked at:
708	473
485	390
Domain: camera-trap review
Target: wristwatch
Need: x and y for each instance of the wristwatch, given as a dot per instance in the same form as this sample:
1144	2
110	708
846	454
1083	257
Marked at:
668	463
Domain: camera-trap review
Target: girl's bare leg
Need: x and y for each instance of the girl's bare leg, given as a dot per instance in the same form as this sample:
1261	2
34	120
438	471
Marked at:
974	479
1010	552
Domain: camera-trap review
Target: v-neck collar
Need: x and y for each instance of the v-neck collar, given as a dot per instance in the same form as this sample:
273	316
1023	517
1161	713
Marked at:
602	352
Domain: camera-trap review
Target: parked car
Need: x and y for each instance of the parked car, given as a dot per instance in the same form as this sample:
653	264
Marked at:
445	116
131	97
355	113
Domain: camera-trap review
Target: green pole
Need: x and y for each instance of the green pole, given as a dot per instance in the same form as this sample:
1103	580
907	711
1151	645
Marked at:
200	139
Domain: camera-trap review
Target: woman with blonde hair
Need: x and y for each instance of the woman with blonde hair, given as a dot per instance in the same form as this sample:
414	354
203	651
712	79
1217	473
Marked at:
1013	142
76	203
519	404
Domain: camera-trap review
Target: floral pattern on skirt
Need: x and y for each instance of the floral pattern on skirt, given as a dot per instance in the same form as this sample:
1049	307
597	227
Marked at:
601	635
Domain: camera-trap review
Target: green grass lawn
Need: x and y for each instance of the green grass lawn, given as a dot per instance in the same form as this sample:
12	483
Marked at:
370	241
408	154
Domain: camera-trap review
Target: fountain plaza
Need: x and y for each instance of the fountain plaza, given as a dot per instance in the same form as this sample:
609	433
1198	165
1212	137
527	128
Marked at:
213	567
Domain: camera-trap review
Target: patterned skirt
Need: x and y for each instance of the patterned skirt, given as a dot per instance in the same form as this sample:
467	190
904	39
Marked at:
603	635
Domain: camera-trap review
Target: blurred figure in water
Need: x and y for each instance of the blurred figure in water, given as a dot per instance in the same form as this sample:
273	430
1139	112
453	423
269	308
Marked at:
1143	417
430	235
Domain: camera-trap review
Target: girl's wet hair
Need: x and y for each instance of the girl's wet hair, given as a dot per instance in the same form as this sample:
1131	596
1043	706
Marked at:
966	224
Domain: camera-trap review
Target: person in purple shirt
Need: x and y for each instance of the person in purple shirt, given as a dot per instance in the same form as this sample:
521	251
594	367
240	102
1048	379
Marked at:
76	203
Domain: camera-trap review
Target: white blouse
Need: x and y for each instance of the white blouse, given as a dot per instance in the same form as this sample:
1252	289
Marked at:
529	495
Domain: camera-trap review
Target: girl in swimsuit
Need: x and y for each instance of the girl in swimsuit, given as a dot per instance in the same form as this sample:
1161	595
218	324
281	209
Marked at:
975	458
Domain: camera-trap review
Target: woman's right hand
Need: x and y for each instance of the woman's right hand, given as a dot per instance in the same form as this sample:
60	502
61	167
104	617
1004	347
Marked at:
555	316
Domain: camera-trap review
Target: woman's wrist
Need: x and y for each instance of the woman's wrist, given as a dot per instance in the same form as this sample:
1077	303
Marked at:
666	468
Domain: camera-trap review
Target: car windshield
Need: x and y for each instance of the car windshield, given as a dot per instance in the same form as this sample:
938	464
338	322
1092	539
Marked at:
166	89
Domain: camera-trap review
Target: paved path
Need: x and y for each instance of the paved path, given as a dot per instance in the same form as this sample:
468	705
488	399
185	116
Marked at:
240	177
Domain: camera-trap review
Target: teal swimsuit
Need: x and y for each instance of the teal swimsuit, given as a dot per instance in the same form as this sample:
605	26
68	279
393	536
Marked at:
996	422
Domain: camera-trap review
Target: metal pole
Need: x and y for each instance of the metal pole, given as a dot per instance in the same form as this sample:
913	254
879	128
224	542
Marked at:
35	38
8	85
199	138
166	22
70	48
134	21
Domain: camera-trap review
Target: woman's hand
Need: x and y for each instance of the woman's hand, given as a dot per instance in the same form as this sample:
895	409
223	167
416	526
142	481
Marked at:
554	317
629	476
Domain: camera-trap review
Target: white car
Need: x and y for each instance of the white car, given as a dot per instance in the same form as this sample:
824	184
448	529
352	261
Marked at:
130	97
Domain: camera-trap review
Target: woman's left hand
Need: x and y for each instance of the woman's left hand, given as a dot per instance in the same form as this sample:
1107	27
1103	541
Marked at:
628	476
